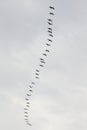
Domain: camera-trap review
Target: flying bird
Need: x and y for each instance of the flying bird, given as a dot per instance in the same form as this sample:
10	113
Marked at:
29	124
37	77
28	95
49	31
48	44
50	20
25	109
30	90
28	103
50	40
51	7
26	99
26	112
45	54
37	70
51	13
30	86
51	35
47	50
42	61
26	116
37	74
41	65
27	106
33	82
26	119
50	23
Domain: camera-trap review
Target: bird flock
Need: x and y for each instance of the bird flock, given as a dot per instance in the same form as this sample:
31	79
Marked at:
41	64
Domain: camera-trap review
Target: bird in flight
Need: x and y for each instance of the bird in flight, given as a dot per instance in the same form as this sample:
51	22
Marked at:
51	35
37	70
29	124
33	82
51	13
26	112
48	44
30	86
50	23
41	65
37	74
37	77
27	106
47	50
28	103
41	59
50	29
28	95
51	7
26	116
50	20
26	99
30	90
26	119
25	109
45	54
50	40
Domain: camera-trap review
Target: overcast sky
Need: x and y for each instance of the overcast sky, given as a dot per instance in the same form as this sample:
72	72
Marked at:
59	100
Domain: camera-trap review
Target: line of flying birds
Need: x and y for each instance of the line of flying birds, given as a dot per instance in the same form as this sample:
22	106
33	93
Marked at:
42	63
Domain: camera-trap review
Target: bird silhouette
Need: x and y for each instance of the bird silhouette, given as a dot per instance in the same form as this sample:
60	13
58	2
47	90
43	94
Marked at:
32	82
50	20
45	54
26	116
25	109
51	13
37	74
41	65
26	99
37	70
47	50
28	95
49	31
36	77
49	40
29	124
31	90
26	119
27	103
30	86
51	7
51	35
48	44
27	106
50	23
26	112
42	61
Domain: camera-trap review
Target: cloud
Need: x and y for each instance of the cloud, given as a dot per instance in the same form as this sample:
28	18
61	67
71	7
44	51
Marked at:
59	97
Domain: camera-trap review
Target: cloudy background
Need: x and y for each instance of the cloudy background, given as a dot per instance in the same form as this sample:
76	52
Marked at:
59	100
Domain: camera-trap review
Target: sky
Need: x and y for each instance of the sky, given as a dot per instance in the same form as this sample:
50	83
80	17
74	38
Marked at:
59	99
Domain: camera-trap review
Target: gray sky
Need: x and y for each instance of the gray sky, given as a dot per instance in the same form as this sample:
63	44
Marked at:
59	98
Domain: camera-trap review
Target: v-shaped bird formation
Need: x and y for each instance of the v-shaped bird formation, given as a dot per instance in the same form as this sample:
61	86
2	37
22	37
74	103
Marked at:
41	64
